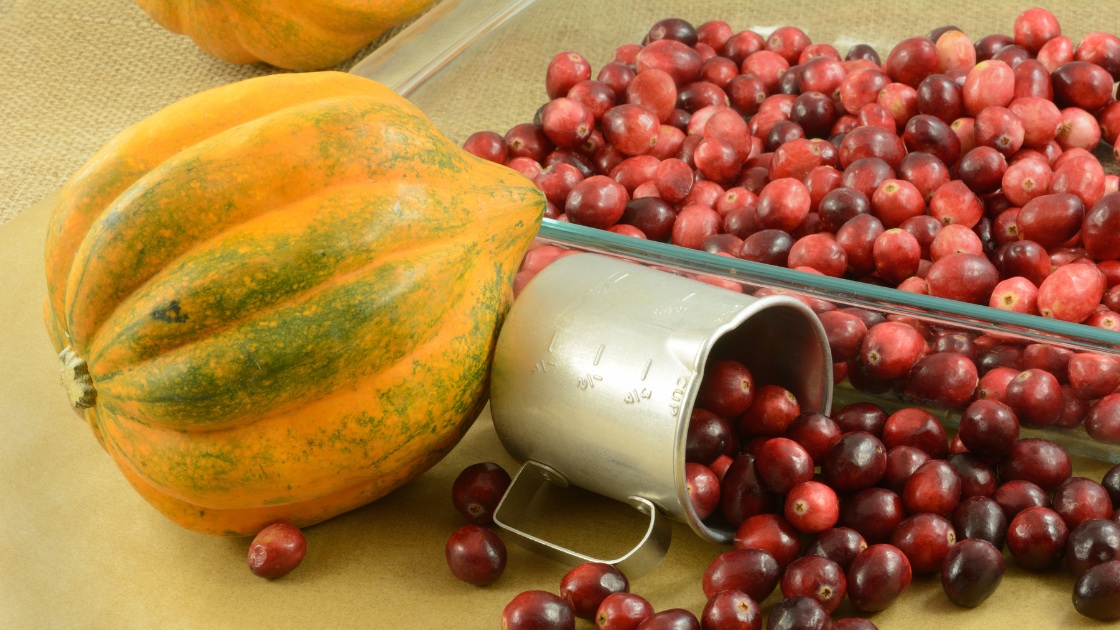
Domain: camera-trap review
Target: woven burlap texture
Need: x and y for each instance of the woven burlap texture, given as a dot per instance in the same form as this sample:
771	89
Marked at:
75	73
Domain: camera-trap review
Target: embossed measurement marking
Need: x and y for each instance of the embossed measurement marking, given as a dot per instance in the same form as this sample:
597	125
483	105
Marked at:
673	308
599	354
542	366
553	341
678	394
634	396
617	276
589	381
645	372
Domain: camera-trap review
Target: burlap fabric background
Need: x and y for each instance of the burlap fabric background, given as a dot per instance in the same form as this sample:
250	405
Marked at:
75	73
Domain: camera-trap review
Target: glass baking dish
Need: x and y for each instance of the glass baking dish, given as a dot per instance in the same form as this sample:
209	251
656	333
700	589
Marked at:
474	65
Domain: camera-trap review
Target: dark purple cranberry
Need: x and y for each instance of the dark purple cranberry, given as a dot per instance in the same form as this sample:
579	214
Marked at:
478	490
863	51
1036	460
925	539
977	478
939	96
476	555
675	29
987	47
750	571
731	610
878	575
971	572
946	379
538	610
741	493
1079	499
839	544
815	112
782	133
1111	483
863	416
1093	542
1000	356
841	205
586	586
902	461
798	613
770	247
707	437
672	619
1037	538
989	429
790	83
1097	593
955	341
857	461
816	433
982	518
874	513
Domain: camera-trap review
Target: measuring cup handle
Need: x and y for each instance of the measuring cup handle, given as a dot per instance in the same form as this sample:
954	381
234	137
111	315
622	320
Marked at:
637	562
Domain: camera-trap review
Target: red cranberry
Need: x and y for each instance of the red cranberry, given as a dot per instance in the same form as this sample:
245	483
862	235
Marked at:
1037	538
1079	499
917	428
1039	461
925	539
927	173
820	253
279	548
963	277
772	534
727	389
816	577
812	507
872	141
1091	543
935	488
798	613
751	571
767	66
873	512
783	464
1103	421
902	461
652	215
1035	27
564	71
955	341
488	146
878	575
987	47
971	572
989	429
897	254
694	225
538	610
890	349
982	518
861	416
731	610
632	129
839	544
703	489
1097	592
866	175
585	587
933	136
815	432
529	141
977	477
1100	228
616	76
476	555
772	410
672	619
1036	397
1084	85
939	96
912	60
742	494
478	490
622	611
597	201
783	204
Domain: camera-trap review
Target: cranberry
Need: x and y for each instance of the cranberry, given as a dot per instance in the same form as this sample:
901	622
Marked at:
1100	226
538	610
1102	49
977	477
751	571
857	461
971	572
1091	543
1093	375
1111	483
783	464
954	203
672	619
896	201
622	611
675	29
812	507
478	490
1083	85
925	539
1079	130
935	488
955	341
989	83
597	201
916	428
731	610
1018	495
1039	461
616	76
788	41
1037	538
815	432
861	416
768	66
988	46
863	51
767	246
839	544
707	438
279	548
652	215
772	410
872	141
873	512
878	575
529	141
488	146
897	254
1097	592
742	494
694	225
1074	409
727	389
902	461
703	489
1050	220
1103	421
1035	27
842	204
866	175
799	613
772	534
890	349
912	60
585	587
900	102
963	277
632	129
980	517
989	429
816	577
1079	499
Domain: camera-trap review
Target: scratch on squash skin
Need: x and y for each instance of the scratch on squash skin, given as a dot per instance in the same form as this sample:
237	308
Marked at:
324	334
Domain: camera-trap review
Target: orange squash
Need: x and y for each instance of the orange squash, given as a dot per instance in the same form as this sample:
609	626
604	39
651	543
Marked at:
277	300
291	34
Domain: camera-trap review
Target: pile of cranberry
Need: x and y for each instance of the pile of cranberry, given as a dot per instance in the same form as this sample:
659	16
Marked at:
963	180
850	505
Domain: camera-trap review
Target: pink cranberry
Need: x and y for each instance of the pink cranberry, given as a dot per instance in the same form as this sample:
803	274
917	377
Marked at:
955	239
896	201
971	572
1103	421
982	518
1000	129
694	225
1071	293
1080	176
963	128
1037	538
1035	27
1015	294
478	490
731	610
654	90
567	122
788	41
564	71
989	83
475	555
955	51
878	575
1079	130
1039	461
1093	375
767	66
1025	181
622	611
558	180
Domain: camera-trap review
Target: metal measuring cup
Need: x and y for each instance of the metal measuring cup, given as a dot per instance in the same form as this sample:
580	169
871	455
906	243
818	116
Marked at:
595	375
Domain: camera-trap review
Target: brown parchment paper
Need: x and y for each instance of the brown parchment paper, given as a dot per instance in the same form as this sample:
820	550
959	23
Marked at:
80	549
